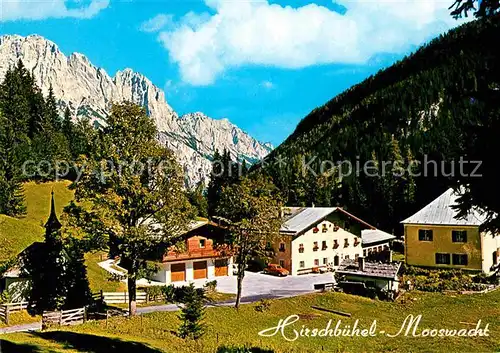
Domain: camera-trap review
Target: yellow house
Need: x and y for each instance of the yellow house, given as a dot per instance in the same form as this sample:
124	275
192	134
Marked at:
434	237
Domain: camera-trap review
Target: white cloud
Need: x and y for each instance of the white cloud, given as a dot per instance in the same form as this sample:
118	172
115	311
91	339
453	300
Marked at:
11	10
258	33
156	23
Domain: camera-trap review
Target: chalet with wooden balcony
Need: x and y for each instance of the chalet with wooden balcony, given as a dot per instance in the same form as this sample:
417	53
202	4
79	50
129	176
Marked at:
200	256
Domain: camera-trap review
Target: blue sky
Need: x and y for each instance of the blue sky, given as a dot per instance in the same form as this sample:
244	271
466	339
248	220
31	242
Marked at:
262	64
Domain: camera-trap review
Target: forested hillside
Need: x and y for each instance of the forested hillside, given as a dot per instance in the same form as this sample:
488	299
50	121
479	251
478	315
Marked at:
421	108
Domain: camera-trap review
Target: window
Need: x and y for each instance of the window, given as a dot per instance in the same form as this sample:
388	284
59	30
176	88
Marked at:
282	263
460	259
324	229
335	244
301	248
323	245
346	243
315	247
282	247
325	260
495	258
336	261
459	236
379	249
356	256
202	243
364	252
425	235
302	264
316	262
442	259
346	257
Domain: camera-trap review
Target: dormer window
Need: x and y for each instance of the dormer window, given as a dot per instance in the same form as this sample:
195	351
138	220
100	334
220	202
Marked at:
202	243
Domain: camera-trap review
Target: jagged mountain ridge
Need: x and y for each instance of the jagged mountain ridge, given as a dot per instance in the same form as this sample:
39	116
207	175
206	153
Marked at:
89	91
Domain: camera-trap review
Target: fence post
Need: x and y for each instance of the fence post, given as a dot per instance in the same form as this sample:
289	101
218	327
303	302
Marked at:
102	296
7	311
125	297
84	314
60	318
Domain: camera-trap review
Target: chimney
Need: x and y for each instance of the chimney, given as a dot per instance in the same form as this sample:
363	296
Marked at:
361	263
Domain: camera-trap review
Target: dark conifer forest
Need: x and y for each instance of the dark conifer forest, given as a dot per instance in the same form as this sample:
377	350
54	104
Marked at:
437	104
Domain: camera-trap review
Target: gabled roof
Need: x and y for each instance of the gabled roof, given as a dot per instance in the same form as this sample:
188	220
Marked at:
372	236
371	269
440	212
301	219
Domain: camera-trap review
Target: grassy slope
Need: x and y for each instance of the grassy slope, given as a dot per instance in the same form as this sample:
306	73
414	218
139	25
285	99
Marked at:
17	234
154	332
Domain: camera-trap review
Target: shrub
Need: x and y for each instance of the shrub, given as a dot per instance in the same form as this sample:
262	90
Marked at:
440	280
168	293
192	314
181	294
263	305
154	293
210	286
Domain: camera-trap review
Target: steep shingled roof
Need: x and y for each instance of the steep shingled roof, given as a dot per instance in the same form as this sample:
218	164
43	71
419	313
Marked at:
371	236
301	219
371	269
440	212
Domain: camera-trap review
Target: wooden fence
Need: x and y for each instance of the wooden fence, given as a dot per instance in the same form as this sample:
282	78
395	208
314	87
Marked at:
119	297
64	317
7	309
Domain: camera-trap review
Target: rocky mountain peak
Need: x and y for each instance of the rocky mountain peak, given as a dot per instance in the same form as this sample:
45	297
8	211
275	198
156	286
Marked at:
89	91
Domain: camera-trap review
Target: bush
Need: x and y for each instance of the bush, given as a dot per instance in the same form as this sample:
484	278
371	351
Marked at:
192	314
263	305
154	293
441	280
181	294
210	286
168	293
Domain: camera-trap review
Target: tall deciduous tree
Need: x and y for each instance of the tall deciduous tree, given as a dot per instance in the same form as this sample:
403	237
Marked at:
252	210
135	187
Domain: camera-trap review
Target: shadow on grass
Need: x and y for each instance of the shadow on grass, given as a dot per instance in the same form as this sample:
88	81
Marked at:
93	344
11	347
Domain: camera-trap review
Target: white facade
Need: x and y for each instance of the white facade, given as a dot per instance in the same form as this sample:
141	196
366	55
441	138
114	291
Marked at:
164	275
304	260
490	251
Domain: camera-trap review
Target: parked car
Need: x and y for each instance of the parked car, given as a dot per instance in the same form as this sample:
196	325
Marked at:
276	270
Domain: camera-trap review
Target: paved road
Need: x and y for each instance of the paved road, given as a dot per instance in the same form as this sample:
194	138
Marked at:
37	326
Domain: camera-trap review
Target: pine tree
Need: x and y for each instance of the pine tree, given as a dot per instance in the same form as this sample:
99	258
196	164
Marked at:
192	314
52	119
